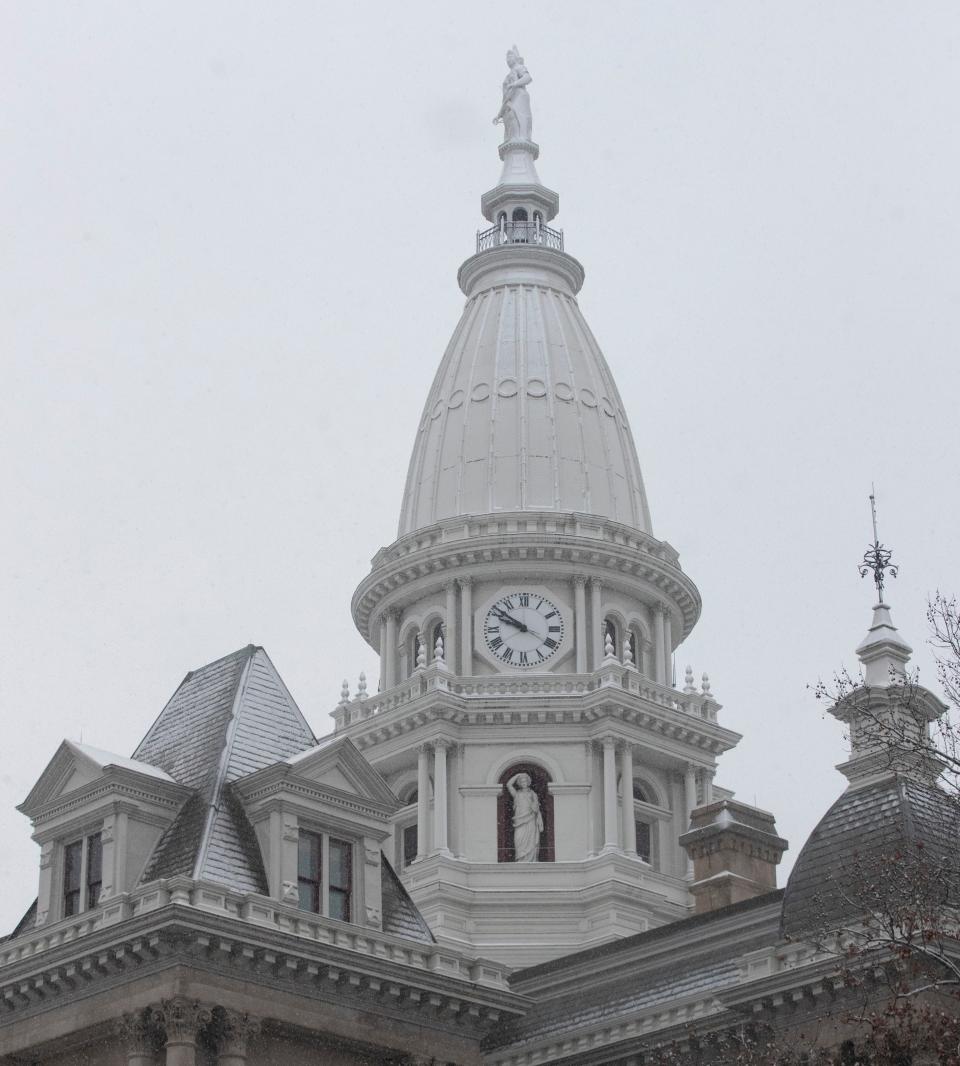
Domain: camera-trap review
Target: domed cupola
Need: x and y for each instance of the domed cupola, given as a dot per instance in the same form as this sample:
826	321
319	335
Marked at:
523	414
887	832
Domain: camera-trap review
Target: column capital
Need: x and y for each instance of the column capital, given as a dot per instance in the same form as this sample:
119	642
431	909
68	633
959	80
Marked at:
609	741
426	748
182	1018
464	582
661	608
140	1032
393	614
234	1030
596	583
442	744
579	580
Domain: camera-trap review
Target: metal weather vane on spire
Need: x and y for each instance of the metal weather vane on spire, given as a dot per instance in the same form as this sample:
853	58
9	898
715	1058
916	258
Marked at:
877	557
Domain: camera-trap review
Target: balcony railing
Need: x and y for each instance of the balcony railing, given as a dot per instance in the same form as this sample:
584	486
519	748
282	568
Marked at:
520	233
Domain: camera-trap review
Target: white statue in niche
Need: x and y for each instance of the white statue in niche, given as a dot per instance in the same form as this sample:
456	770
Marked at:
527	819
514	112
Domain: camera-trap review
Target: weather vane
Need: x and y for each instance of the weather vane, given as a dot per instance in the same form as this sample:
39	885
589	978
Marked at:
877	557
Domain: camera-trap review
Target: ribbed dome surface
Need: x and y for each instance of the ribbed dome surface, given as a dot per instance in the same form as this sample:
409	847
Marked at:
523	415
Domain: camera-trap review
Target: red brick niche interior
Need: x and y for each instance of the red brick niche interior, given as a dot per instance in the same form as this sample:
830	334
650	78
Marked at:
539	779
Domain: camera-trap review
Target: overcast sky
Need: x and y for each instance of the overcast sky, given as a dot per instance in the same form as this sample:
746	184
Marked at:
229	244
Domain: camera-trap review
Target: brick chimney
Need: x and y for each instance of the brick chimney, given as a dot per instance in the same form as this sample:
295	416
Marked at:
735	851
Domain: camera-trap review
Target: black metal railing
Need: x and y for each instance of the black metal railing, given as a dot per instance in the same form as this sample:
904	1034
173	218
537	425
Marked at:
520	233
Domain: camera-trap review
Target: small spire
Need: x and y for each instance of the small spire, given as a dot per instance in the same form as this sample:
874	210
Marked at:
438	650
421	653
877	557
362	686
628	650
688	684
608	645
705	684
344	693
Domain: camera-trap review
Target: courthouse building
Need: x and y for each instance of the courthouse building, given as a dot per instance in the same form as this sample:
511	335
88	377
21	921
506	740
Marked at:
515	851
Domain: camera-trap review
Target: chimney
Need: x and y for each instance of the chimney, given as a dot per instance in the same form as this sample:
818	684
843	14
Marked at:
735	851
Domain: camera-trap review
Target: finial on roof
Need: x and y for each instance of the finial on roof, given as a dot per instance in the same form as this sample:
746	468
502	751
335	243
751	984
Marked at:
438	650
628	650
877	557
608	646
705	684
362	686
344	692
421	653
688	684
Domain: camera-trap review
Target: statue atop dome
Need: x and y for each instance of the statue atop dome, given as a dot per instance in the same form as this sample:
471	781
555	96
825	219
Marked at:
515	112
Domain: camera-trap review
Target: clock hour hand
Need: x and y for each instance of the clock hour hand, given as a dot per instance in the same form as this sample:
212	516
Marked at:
504	617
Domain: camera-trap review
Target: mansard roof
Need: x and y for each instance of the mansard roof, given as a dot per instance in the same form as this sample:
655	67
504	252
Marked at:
877	839
226	720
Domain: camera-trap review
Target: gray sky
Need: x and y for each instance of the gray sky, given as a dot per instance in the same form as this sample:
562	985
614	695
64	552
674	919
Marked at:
230	236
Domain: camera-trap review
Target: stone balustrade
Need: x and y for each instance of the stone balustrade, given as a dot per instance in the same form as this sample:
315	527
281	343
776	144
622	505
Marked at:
259	912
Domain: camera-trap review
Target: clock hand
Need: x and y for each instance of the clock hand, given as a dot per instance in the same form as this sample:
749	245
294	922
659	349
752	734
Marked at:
504	617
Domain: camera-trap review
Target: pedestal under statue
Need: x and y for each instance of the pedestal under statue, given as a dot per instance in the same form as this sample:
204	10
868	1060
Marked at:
515	112
527	819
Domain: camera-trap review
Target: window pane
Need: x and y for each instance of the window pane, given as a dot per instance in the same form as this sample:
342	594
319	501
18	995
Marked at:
94	859
72	857
339	905
409	844
643	841
340	864
309	896
308	859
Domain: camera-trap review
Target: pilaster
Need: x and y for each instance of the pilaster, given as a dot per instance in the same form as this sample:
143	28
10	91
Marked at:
466	626
235	1032
451	627
580	621
596	623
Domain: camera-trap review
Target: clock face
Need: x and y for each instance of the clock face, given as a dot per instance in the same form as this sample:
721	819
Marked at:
523	629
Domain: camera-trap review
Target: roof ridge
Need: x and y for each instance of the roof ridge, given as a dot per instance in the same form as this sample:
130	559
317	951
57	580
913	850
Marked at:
213	803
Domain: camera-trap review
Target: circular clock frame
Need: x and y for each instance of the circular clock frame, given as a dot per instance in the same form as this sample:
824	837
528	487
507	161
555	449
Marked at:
523	629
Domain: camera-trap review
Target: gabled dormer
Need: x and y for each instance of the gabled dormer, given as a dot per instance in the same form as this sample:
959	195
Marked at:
321	818
97	817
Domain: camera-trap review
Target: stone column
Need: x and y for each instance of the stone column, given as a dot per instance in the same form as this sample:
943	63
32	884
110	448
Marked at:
140	1036
423	800
690	789
667	648
390	636
182	1019
580	622
235	1031
440	797
707	787
610	828
596	623
466	626
659	665
628	828
383	653
450	627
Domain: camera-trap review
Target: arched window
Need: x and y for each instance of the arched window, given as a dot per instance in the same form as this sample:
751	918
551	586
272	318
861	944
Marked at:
435	634
519	214
637	643
643	824
408	843
539	780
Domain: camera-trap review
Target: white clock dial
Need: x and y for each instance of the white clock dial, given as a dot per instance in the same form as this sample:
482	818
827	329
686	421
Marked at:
523	629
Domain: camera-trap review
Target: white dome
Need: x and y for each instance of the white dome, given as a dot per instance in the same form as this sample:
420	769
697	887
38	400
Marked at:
523	414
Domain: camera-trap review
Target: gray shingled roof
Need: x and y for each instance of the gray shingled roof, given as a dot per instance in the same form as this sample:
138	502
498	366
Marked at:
400	914
875	841
607	992
226	720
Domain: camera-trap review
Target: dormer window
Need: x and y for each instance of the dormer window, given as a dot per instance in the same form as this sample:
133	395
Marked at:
325	875
82	874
